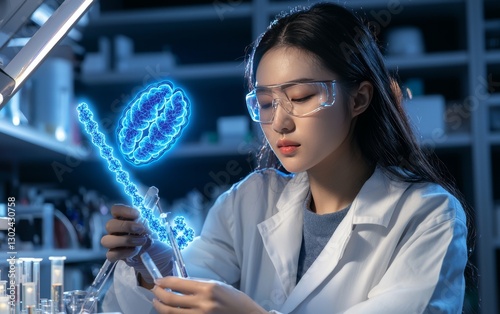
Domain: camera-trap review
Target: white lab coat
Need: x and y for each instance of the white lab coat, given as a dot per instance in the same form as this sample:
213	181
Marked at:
400	249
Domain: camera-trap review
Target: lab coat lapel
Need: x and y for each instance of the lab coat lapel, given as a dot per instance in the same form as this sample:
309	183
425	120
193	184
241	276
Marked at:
322	266
282	233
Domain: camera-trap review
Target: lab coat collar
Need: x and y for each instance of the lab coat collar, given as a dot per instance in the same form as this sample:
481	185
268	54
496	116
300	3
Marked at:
378	190
377	199
282	233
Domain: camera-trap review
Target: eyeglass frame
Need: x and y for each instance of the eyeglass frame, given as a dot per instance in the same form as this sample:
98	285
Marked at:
275	103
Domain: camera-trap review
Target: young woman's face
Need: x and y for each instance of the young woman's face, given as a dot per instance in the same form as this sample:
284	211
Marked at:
302	143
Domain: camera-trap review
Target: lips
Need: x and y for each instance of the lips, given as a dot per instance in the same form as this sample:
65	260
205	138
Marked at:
287	147
284	143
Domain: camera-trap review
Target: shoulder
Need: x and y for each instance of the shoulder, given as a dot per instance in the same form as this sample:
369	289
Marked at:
428	204
385	198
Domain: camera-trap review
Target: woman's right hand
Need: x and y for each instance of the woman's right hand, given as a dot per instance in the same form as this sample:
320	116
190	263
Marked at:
127	240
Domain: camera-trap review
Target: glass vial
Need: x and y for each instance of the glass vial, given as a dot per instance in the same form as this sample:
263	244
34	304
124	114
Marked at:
57	283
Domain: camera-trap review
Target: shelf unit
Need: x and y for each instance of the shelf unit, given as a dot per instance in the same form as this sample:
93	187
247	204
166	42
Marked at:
456	64
23	142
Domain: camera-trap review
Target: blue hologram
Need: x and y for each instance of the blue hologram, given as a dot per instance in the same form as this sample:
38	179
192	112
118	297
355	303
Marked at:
152	123
184	235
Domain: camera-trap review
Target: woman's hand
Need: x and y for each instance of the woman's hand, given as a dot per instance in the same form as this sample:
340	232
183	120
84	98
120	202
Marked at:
201	296
128	239
125	235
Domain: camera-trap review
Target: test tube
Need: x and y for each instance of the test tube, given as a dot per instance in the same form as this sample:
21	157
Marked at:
151	266
46	306
90	303
57	283
4	305
29	293
3	288
27	277
19	279
179	265
31	273
36	278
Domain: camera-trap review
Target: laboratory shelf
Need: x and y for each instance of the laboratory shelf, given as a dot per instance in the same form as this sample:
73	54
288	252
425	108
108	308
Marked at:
494	138
23	142
496	243
450	140
185	72
493	57
214	11
428	61
494	100
72	255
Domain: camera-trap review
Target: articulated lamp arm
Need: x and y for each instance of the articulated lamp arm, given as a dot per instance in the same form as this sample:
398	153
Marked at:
37	48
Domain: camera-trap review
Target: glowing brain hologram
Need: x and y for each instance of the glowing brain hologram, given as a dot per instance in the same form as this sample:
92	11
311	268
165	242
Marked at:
149	126
152	123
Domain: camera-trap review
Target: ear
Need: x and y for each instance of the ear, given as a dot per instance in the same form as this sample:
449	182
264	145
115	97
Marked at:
362	98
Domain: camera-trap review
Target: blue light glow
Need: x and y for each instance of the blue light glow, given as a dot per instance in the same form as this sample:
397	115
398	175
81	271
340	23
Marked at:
152	122
184	234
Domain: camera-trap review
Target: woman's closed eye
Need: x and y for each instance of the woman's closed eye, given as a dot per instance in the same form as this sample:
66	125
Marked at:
266	106
302	99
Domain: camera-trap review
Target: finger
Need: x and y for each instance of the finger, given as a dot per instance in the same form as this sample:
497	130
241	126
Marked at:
181	285
122	253
124	212
172	299
113	241
117	226
166	309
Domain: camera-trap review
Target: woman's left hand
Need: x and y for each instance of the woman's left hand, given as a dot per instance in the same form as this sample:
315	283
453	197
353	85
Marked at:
201	296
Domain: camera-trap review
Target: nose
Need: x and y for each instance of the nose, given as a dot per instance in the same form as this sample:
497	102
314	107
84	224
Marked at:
282	121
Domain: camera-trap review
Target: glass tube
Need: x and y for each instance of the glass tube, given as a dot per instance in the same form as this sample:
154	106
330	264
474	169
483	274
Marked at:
57	282
36	278
31	273
179	268
3	288
29	294
27	277
4	305
46	306
90	303
151	266
19	277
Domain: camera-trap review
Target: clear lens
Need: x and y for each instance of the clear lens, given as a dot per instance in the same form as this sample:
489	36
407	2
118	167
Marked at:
298	99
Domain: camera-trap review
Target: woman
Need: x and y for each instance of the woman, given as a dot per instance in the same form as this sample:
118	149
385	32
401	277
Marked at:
361	224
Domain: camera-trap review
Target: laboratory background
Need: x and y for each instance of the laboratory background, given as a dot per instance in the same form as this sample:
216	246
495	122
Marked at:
445	53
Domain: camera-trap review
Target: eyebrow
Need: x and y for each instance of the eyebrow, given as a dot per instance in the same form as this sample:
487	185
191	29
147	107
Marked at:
299	80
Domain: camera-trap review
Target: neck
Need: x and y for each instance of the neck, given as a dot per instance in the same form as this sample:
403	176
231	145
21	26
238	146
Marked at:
335	184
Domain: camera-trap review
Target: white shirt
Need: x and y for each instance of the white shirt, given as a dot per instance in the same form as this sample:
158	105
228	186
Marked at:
400	249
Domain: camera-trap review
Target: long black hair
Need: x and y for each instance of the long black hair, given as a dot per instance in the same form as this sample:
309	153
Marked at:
345	45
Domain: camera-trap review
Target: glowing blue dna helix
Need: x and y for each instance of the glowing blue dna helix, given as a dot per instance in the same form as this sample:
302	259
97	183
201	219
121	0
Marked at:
183	234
